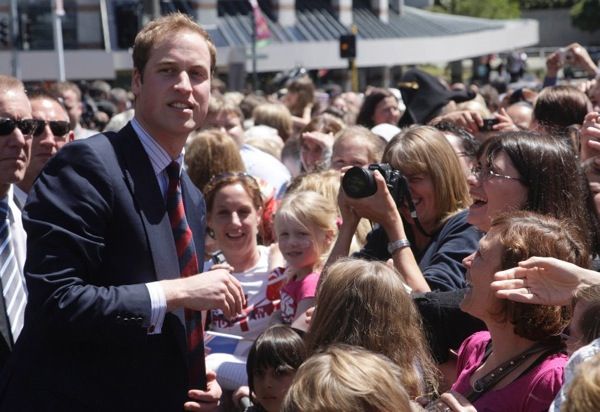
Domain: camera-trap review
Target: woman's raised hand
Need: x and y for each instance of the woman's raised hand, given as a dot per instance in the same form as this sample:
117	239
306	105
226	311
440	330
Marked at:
543	280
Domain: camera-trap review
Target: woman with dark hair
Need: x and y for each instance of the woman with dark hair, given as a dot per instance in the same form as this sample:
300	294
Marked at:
379	106
548	173
517	365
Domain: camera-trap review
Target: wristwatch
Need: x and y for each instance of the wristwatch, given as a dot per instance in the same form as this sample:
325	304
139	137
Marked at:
397	244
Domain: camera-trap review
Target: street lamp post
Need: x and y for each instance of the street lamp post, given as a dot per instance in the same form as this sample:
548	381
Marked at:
58	12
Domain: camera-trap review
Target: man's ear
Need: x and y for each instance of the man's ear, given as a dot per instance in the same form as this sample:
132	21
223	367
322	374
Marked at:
71	136
136	82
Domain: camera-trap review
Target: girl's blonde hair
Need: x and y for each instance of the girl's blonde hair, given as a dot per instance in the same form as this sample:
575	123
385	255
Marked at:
327	183
314	213
347	378
364	303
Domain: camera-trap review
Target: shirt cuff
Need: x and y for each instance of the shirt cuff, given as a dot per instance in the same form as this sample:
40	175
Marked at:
158	303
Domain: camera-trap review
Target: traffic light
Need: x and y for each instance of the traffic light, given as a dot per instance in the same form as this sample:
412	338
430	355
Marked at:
4	34
348	46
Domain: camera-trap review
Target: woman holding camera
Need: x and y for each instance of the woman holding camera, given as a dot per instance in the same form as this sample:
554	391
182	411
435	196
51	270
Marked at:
428	244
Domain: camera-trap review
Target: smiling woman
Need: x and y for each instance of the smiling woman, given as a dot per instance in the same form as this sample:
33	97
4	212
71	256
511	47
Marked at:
517	365
437	232
515	171
234	204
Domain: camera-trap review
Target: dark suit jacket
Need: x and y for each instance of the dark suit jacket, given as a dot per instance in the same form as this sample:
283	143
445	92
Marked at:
97	231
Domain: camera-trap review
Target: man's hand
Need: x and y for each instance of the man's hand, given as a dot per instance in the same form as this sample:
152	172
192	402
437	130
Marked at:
205	401
215	289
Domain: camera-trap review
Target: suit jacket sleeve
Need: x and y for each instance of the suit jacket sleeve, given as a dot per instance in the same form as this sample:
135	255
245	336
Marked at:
70	218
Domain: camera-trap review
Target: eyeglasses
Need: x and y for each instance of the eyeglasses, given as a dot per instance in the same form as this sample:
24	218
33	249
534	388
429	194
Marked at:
486	174
58	127
8	125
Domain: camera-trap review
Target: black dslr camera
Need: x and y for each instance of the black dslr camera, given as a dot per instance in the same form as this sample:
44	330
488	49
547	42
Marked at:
359	182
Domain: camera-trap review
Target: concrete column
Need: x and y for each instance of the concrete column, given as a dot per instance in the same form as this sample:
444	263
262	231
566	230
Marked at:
380	8
236	79
205	11
285	10
386	77
397	5
89	24
343	10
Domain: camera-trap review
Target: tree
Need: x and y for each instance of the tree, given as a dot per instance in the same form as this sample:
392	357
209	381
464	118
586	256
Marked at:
585	15
489	9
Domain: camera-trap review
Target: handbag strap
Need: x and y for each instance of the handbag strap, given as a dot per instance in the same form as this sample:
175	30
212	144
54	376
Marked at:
491	379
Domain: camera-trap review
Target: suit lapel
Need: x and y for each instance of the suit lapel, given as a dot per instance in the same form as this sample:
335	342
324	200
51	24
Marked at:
139	177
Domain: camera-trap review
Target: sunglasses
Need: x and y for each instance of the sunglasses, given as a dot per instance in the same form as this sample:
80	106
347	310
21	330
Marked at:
226	175
58	127
8	125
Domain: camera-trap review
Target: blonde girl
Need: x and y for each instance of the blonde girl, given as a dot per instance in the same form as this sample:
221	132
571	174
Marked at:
305	226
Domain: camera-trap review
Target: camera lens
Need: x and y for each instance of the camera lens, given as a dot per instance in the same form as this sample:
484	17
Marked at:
358	182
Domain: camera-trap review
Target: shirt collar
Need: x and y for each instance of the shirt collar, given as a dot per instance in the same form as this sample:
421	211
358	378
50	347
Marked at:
159	157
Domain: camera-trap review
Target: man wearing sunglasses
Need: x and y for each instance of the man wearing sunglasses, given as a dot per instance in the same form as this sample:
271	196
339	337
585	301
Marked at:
16	127
52	131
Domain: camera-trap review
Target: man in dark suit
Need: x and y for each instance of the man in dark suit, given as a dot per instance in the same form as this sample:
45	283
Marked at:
16	127
105	328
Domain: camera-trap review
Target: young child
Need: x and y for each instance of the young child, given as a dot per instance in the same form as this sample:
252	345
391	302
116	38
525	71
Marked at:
583	341
305	226
350	379
272	363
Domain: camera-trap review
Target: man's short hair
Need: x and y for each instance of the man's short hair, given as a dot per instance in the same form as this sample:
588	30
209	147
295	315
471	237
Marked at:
60	87
40	94
158	29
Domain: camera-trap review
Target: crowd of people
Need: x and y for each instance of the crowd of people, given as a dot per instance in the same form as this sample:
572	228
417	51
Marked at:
428	247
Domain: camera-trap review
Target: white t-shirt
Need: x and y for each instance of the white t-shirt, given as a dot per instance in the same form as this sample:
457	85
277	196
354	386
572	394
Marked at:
261	301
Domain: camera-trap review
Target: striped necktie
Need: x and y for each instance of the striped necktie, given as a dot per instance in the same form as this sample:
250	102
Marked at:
13	288
188	266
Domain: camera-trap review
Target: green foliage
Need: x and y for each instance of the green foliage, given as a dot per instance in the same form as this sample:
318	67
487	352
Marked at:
546	4
489	9
585	15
